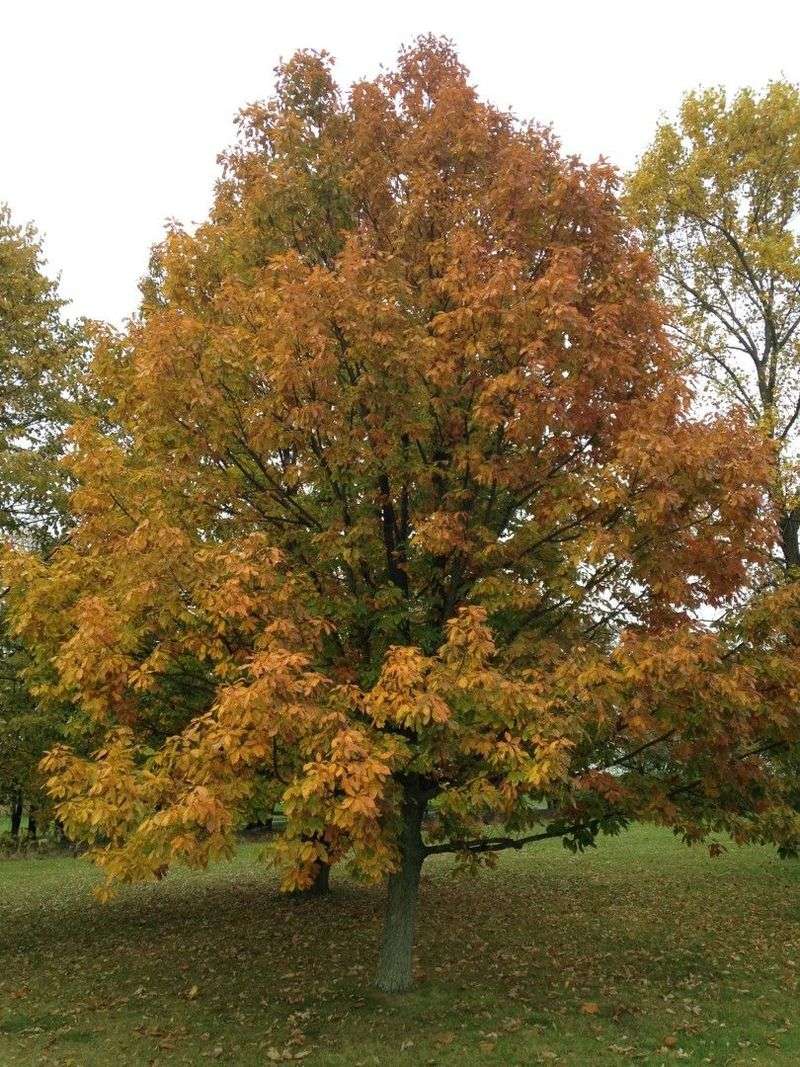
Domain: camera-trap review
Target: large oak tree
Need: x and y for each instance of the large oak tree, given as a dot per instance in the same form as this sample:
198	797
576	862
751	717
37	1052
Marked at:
399	480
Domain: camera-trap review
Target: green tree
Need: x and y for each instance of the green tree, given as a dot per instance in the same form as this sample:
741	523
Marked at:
717	197
41	359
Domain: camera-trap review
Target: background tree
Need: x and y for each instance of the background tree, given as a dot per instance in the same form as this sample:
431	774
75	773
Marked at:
399	476
41	357
717	197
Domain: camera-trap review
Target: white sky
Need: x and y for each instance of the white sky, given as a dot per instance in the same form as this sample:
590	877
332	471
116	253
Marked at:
112	112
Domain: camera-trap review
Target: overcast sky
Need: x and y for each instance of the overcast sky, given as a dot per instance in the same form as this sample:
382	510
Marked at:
113	111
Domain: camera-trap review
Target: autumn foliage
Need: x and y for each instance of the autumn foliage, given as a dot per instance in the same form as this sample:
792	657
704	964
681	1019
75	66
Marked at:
397	505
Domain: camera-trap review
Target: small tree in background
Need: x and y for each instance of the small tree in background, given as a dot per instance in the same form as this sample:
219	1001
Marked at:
398	478
717	197
41	358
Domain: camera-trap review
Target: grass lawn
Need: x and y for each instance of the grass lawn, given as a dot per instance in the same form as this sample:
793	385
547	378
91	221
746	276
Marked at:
641	951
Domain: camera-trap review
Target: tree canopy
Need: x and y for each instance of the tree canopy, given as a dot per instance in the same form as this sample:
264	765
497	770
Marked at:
39	358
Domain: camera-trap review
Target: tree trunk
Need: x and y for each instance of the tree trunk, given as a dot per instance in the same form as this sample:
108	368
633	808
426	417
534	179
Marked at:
31	824
789	526
16	814
395	973
322	880
321	885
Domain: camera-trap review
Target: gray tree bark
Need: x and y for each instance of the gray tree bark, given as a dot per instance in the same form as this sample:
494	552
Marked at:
395	966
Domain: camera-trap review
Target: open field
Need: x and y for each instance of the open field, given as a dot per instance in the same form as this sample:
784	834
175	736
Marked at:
641	951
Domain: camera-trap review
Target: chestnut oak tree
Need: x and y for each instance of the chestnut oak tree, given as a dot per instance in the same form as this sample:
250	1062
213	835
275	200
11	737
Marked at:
398	482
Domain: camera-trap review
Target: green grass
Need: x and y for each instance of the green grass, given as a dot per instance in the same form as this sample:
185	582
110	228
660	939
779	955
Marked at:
552	958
